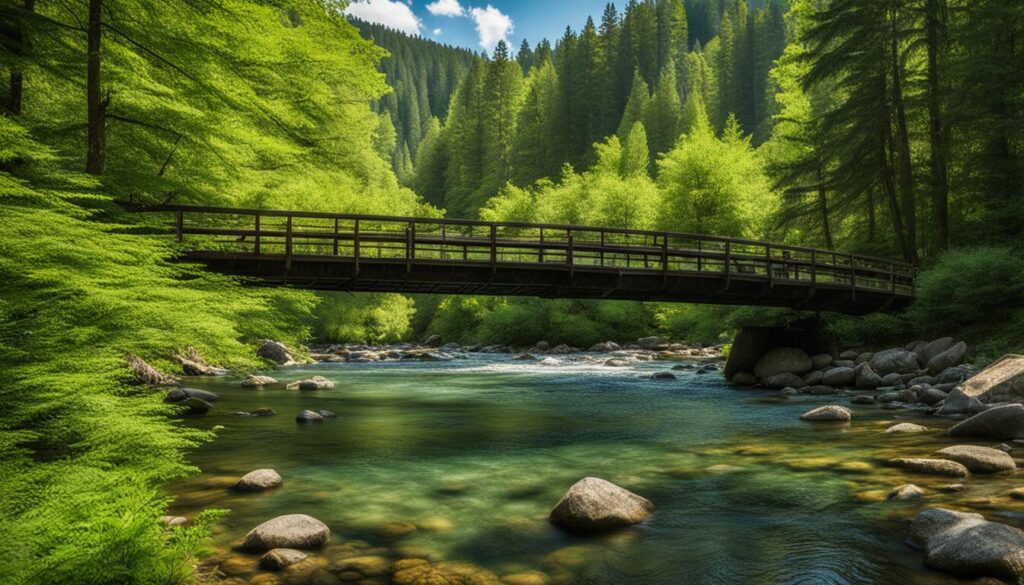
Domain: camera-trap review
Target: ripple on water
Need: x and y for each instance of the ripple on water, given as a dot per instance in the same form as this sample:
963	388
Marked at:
462	461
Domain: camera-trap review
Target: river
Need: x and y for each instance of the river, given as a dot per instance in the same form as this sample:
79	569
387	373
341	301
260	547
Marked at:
462	460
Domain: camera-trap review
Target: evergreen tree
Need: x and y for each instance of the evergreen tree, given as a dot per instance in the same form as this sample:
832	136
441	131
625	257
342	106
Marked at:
664	115
635	155
637	106
501	103
536	148
525	56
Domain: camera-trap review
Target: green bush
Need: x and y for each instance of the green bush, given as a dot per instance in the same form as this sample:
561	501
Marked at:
363	318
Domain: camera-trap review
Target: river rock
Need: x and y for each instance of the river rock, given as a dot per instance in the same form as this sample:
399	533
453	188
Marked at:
783	360
968	545
181	394
308	416
821	361
840	377
893	360
663	376
934	348
931	396
525	357
652	342
279	558
814	377
863	399
605	346
195	405
954	356
907	491
289	531
925	380
254	381
1001	381
953	375
443	573
263	411
276	352
327	413
819	390
1000	422
849	355
906	428
744	379
259	480
979	459
615	363
172	521
312	383
892	379
780	381
933	466
593	505
866	378
843	364
828	413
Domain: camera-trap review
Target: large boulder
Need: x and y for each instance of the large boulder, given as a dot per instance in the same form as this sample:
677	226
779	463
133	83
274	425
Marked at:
594	505
821	361
979	459
954	356
259	480
929	350
653	342
783	360
932	466
744	379
289	531
276	352
605	346
968	545
828	413
1000	422
840	377
784	380
1001	381
894	360
195	405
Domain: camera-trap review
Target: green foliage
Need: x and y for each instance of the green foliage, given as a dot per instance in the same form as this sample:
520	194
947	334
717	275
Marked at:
363	318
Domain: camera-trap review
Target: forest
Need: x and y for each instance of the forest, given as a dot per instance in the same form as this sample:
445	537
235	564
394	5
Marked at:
887	127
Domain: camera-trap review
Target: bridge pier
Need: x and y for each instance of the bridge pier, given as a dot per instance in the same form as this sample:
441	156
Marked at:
751	343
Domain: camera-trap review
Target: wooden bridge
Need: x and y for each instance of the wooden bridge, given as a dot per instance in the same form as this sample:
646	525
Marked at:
345	252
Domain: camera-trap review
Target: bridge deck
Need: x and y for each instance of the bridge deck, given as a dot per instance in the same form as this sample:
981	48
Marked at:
448	256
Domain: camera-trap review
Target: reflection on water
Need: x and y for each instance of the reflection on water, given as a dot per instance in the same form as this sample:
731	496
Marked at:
462	461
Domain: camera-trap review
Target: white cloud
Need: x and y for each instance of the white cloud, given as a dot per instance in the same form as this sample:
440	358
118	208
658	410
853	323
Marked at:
437	32
387	12
492	26
446	8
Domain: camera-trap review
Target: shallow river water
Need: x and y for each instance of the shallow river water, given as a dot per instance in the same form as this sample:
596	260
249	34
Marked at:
462	460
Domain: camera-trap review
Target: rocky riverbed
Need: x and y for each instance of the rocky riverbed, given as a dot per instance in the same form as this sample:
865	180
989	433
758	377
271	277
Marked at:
897	460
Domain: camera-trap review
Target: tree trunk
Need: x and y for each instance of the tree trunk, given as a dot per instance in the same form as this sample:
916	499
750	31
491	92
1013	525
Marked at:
935	24
906	173
826	227
889	186
96	152
17	80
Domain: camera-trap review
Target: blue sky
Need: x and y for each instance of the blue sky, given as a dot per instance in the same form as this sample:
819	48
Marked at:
480	25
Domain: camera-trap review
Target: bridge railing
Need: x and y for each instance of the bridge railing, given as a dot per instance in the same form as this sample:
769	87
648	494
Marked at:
294	235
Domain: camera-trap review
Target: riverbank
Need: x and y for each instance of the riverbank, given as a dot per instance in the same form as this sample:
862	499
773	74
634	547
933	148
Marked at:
404	506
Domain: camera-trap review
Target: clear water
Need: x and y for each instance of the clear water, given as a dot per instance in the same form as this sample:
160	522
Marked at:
463	460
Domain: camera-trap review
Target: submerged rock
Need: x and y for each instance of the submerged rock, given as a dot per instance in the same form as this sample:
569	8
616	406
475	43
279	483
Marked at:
863	399
444	573
907	491
259	480
828	413
195	405
968	545
979	459
594	505
906	428
309	416
932	466
744	379
780	381
279	558
663	376
182	394
289	531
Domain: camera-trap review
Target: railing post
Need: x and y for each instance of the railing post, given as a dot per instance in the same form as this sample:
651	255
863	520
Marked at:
700	255
179	224
494	248
540	251
768	265
256	228
853	278
288	244
664	253
568	252
728	262
602	249
814	267
355	244
335	236
892	278
410	245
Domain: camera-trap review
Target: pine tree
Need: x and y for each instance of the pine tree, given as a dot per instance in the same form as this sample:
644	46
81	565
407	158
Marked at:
525	56
636	107
664	114
502	100
635	155
537	145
